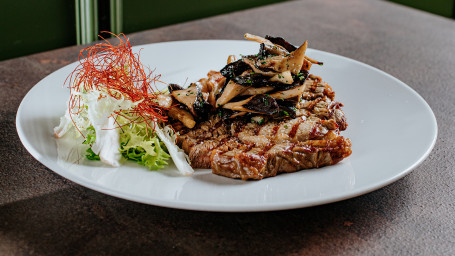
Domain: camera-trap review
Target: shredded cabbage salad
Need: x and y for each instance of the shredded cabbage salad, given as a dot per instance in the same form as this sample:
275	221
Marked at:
113	137
113	106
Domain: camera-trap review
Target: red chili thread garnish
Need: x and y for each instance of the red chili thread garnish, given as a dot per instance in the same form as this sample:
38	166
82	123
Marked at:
116	70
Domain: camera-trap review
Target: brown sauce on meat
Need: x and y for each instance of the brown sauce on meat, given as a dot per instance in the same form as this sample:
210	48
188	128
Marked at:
315	133
295	128
266	148
275	130
289	149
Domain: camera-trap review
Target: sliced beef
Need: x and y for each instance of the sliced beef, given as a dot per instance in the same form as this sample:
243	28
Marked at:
241	148
283	157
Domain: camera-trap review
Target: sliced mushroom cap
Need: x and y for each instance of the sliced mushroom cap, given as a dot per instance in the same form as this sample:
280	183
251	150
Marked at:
238	106
234	69
174	87
226	114
283	77
289	47
237	114
186	96
252	64
292	62
282	81
203	85
295	92
251	79
261	40
270	50
261	104
215	82
182	115
201	106
287	108
257	90
231	90
297	58
280	41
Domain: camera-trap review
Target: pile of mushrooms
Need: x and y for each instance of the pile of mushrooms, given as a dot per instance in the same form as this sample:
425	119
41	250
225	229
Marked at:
266	85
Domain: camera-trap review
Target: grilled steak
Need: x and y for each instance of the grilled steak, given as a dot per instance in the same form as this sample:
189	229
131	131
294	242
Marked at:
241	148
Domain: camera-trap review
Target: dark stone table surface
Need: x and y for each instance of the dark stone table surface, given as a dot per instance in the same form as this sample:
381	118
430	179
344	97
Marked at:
42	213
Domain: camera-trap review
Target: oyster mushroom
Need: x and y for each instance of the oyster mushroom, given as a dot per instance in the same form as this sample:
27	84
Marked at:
186	96
215	82
266	50
289	47
283	77
174	87
295	92
282	42
262	40
233	69
182	115
292	62
287	108
257	90
260	104
201	106
194	99
231	90
251	62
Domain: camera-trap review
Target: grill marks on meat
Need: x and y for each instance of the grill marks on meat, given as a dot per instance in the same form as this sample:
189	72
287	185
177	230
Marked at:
248	150
283	157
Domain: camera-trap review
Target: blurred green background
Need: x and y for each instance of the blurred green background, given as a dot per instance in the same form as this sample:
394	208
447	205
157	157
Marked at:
34	26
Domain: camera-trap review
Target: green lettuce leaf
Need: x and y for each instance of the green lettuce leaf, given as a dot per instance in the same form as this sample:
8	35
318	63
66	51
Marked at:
89	140
140	144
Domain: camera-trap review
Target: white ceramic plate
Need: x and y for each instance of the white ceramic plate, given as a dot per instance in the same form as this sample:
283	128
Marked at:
391	127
